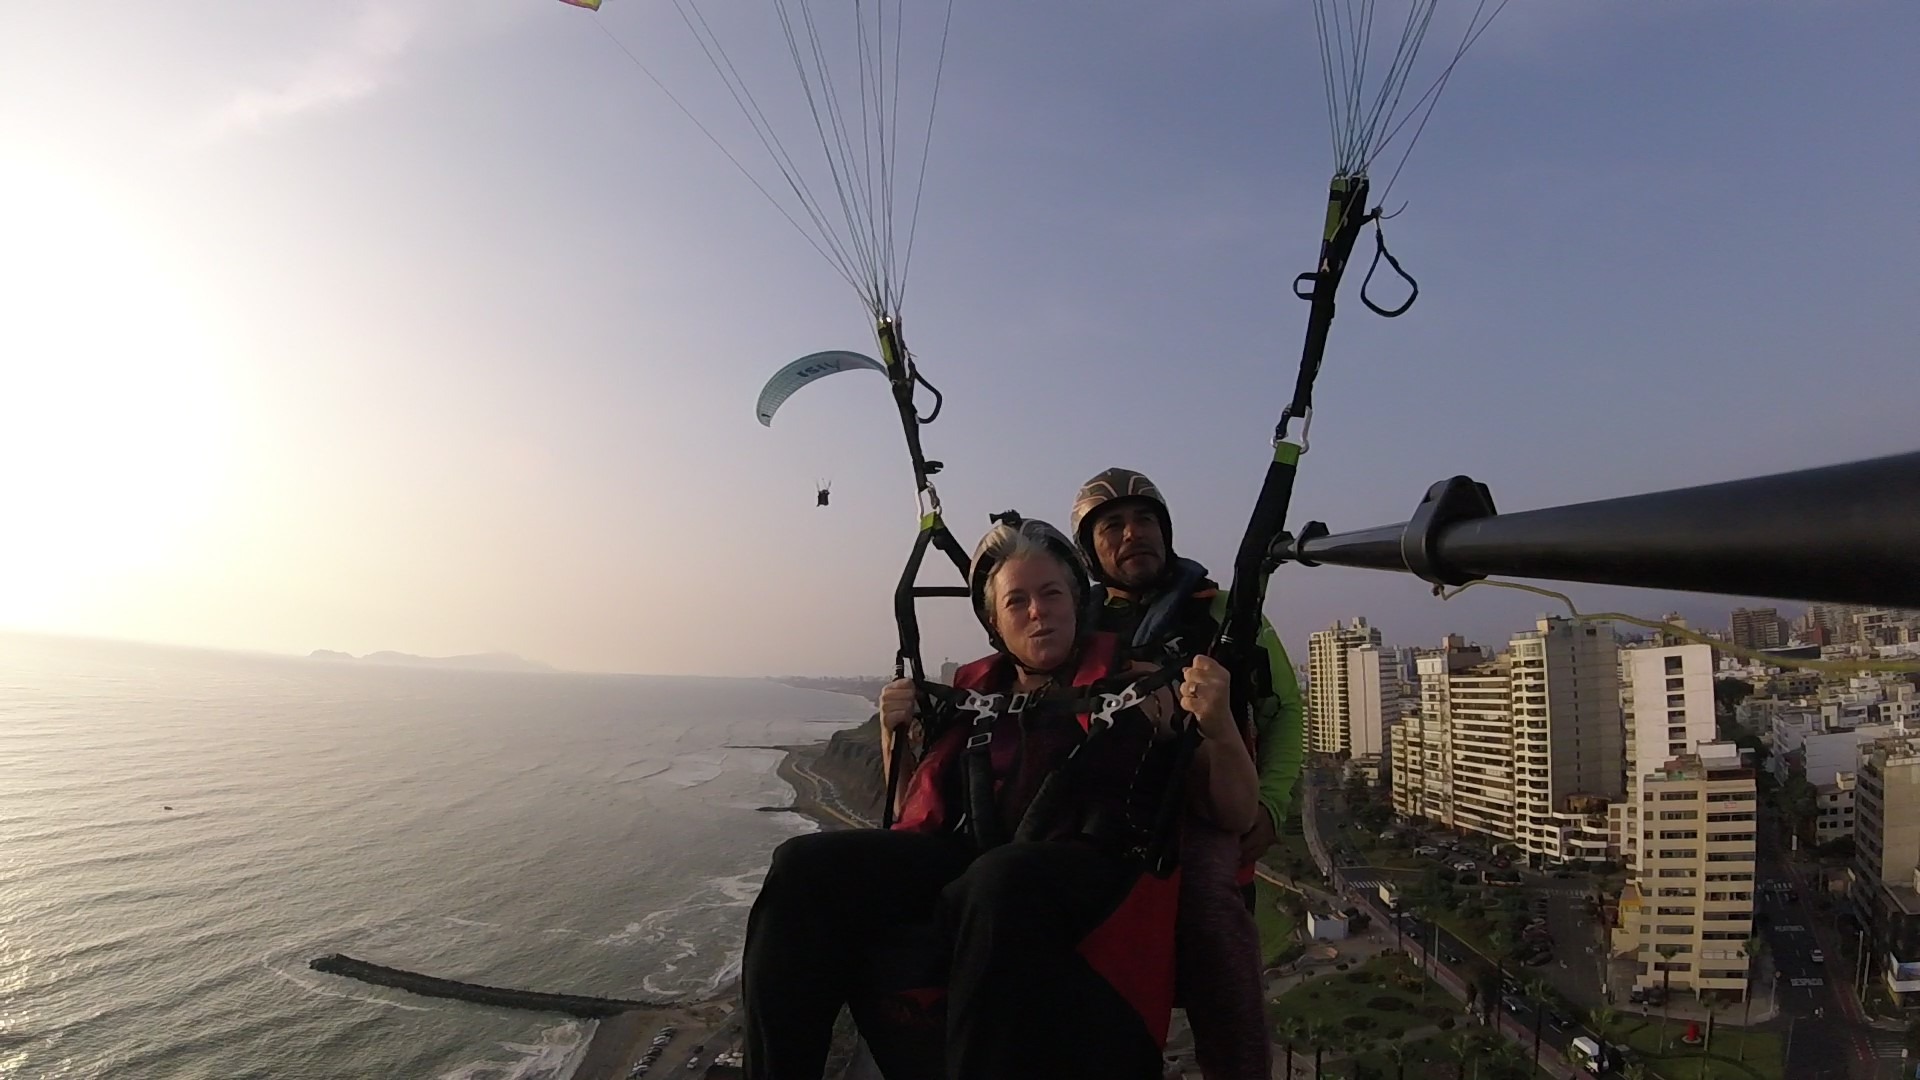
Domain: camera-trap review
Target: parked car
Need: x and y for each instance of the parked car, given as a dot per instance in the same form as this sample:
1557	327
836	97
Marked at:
1819	957
1428	850
1465	865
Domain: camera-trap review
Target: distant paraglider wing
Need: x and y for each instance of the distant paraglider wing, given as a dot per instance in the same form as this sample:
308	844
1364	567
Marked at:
806	370
590	5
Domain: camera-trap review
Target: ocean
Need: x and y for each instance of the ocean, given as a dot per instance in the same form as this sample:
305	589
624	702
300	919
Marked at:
181	831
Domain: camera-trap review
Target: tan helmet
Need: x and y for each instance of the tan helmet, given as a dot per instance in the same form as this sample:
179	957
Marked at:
1109	487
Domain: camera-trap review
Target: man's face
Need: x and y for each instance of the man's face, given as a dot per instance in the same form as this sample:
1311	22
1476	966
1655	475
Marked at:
1128	541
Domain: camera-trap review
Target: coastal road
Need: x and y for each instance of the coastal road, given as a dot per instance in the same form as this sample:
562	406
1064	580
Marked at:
825	797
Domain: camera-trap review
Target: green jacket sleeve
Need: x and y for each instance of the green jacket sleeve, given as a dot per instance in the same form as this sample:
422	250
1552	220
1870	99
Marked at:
1278	723
1280	730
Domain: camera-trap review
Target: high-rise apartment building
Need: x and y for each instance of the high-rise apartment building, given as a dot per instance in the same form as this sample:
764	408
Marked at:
1525	747
1686	915
1758	628
1349	676
1422	769
1666	707
1568	736
1884	885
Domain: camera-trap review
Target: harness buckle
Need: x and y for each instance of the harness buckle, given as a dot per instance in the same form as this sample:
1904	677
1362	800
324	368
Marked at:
984	707
1111	705
979	739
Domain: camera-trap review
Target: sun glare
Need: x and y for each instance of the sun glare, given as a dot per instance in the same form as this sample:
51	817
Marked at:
113	424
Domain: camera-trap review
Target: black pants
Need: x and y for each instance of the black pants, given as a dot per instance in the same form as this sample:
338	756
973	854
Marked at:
1021	1002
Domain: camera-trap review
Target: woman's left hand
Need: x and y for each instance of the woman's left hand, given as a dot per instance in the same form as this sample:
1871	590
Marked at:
1207	693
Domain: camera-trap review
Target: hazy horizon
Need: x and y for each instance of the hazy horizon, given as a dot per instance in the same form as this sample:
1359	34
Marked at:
435	327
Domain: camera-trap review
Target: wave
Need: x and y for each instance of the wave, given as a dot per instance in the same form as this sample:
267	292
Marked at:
557	1054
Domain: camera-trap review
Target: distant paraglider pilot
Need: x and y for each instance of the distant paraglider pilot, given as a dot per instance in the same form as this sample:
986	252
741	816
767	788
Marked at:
822	491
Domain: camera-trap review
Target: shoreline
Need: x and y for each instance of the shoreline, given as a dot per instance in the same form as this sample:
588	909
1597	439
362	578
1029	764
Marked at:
618	1041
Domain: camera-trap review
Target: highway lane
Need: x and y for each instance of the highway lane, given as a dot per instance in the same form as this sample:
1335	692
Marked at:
1828	1034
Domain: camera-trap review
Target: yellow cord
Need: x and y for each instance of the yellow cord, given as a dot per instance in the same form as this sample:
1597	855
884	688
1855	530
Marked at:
1837	667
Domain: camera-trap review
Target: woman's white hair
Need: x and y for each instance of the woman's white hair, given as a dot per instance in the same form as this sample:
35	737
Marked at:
1014	546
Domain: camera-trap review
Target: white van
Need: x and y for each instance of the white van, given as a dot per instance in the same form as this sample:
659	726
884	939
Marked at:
1584	1053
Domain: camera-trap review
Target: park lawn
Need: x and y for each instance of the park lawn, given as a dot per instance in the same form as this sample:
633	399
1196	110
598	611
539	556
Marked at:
1380	998
1761	1052
1276	925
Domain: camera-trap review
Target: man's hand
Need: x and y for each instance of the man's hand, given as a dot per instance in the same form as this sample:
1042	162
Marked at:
1258	839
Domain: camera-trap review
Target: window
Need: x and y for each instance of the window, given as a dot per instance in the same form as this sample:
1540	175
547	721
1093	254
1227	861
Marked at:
1679	815
1682	891
1676	701
1679	834
1676	873
1679	796
1673	665
1676	684
1674	910
1686	853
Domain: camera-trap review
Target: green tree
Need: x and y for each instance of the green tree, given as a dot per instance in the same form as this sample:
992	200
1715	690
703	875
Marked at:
1667	953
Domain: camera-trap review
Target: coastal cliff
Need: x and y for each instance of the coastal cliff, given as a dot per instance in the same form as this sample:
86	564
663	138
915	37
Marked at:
850	762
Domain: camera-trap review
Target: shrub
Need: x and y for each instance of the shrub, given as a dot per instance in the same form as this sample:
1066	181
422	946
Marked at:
1386	1003
1341	966
1361	976
1446	1023
1359	1022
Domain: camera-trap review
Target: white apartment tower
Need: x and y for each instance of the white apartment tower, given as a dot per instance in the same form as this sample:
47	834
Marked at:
1349	683
1666	707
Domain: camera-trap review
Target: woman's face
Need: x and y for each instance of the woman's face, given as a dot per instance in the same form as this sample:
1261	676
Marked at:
1033	611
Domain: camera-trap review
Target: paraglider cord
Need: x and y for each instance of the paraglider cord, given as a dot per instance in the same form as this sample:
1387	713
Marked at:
938	398
1379	252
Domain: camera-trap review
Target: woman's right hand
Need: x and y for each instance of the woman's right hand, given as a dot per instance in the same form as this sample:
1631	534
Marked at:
897	706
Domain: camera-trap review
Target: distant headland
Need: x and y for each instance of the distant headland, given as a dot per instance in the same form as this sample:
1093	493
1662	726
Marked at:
866	686
470	662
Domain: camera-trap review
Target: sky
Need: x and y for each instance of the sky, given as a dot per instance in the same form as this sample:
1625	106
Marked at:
436	326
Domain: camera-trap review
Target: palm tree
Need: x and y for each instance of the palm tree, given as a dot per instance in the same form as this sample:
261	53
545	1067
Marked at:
1291	1031
1604	1020
1537	990
1501	944
1637	1071
1667	953
1510	1060
1319	1036
1397	1057
1462	1045
1755	945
